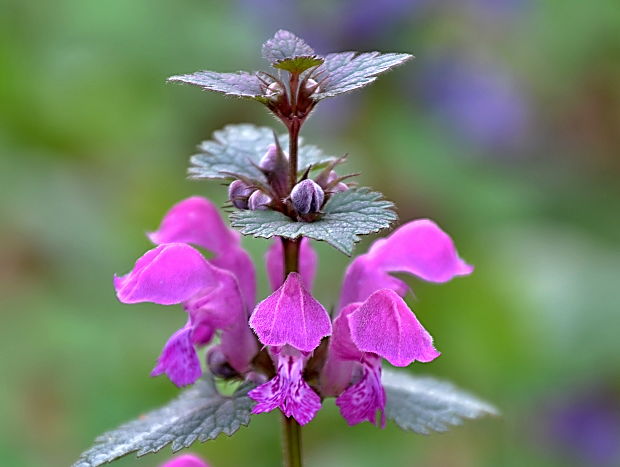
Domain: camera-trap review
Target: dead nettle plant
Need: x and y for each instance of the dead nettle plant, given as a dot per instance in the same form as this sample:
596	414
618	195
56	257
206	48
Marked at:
285	352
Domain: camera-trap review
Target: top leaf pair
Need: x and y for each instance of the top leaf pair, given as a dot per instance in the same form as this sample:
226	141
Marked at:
328	76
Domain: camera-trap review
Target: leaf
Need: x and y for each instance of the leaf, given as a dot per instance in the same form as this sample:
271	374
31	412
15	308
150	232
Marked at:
298	64
285	45
424	404
345	71
241	84
235	148
199	413
348	214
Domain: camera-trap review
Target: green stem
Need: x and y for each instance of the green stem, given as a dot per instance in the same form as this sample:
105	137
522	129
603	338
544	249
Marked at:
291	433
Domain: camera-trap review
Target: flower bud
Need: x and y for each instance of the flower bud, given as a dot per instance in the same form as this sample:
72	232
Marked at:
340	187
332	185
259	201
311	86
238	194
307	197
331	177
218	365
272	159
274	90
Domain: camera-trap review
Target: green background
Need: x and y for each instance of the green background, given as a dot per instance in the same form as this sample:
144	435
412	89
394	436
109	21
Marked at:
94	148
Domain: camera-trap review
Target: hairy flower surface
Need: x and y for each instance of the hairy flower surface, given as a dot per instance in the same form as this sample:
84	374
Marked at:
291	316
292	323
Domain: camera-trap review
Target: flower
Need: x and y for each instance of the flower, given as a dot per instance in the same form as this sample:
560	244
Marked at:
291	323
381	327
216	294
374	321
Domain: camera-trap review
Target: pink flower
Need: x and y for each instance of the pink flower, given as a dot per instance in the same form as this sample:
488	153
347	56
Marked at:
383	326
291	323
374	322
216	294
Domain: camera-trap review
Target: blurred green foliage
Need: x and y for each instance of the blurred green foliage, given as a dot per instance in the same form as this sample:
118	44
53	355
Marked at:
94	149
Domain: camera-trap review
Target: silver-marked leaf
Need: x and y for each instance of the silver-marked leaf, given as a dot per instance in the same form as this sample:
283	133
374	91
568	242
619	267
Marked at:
235	148
347	215
241	84
423	404
346	71
285	45
200	413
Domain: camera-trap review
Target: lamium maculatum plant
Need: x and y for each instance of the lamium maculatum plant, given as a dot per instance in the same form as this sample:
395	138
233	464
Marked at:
285	351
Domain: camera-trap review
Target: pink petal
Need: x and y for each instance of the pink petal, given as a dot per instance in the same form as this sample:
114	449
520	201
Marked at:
186	460
419	247
169	274
274	261
386	326
291	316
178	359
361	401
238	261
222	307
288	390
195	220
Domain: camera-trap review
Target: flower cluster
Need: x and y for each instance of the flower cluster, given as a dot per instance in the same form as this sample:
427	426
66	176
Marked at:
288	343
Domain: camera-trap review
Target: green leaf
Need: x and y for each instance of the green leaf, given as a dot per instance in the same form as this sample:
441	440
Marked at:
200	413
347	215
285	45
298	64
235	148
423	404
345	71
241	84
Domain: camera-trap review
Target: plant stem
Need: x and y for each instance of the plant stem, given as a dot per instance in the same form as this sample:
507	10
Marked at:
291	430
293	132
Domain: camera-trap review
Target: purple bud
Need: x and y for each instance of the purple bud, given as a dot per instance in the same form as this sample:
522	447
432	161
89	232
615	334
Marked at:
335	188
340	187
238	193
218	364
259	201
307	196
273	159
331	177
